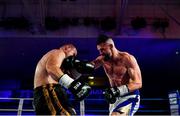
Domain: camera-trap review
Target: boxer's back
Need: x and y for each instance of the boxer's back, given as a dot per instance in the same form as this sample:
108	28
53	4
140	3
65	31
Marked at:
41	76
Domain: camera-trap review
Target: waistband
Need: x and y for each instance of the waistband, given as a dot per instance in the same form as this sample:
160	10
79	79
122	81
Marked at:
136	92
47	86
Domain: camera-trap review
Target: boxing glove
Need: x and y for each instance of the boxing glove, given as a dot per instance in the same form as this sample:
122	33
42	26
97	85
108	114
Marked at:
68	62
84	67
111	94
79	89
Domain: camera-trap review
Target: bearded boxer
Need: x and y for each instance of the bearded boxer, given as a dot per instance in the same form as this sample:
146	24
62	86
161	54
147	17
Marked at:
124	76
52	79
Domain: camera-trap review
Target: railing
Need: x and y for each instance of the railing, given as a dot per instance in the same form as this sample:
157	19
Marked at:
21	102
20	109
20	106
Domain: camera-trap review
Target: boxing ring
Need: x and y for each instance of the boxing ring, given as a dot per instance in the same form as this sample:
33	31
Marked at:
20	105
20	109
82	105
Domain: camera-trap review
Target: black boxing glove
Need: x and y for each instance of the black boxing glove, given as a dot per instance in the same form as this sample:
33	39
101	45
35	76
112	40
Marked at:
78	88
111	94
84	67
68	62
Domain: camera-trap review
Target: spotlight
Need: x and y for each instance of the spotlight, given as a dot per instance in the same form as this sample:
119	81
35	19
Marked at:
160	23
51	23
15	23
108	24
65	22
138	23
87	21
75	21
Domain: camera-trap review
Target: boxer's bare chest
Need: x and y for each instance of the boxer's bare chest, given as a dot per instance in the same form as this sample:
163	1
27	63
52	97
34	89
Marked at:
116	71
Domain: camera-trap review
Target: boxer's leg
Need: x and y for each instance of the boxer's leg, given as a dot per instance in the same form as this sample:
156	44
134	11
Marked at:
118	114
42	103
62	101
48	100
128	107
57	102
124	110
135	106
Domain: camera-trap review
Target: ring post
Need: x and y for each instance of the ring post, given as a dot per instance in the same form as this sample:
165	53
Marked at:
82	108
20	107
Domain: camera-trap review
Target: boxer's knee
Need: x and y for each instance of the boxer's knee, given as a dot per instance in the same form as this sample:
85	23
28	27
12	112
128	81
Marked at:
72	111
118	114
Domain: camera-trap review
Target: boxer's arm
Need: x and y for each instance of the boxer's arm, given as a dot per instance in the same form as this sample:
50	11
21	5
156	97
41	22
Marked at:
97	62
53	65
135	81
79	89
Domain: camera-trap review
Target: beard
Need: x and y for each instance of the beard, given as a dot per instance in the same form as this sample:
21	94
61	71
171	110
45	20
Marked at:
106	57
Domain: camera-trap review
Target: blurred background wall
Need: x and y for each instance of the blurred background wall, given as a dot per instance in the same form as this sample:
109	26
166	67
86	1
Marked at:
147	29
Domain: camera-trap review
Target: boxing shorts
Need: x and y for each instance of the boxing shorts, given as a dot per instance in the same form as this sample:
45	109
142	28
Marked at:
127	104
51	99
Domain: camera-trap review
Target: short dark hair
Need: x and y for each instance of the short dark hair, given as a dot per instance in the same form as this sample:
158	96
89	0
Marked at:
102	38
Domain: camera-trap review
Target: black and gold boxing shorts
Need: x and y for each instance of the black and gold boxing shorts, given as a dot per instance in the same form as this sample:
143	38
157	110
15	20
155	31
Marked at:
51	99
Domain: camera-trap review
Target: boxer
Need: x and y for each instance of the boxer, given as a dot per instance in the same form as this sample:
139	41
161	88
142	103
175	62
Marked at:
124	77
52	79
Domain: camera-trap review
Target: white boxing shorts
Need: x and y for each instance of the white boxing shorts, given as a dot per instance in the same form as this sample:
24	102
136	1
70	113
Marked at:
128	104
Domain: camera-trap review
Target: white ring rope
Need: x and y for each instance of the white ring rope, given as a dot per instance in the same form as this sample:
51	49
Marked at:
82	104
21	102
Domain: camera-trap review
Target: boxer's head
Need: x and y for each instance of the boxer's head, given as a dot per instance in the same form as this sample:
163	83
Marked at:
69	50
105	46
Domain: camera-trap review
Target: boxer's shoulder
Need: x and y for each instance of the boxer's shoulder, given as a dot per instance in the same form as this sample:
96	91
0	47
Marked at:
126	56
56	53
99	59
